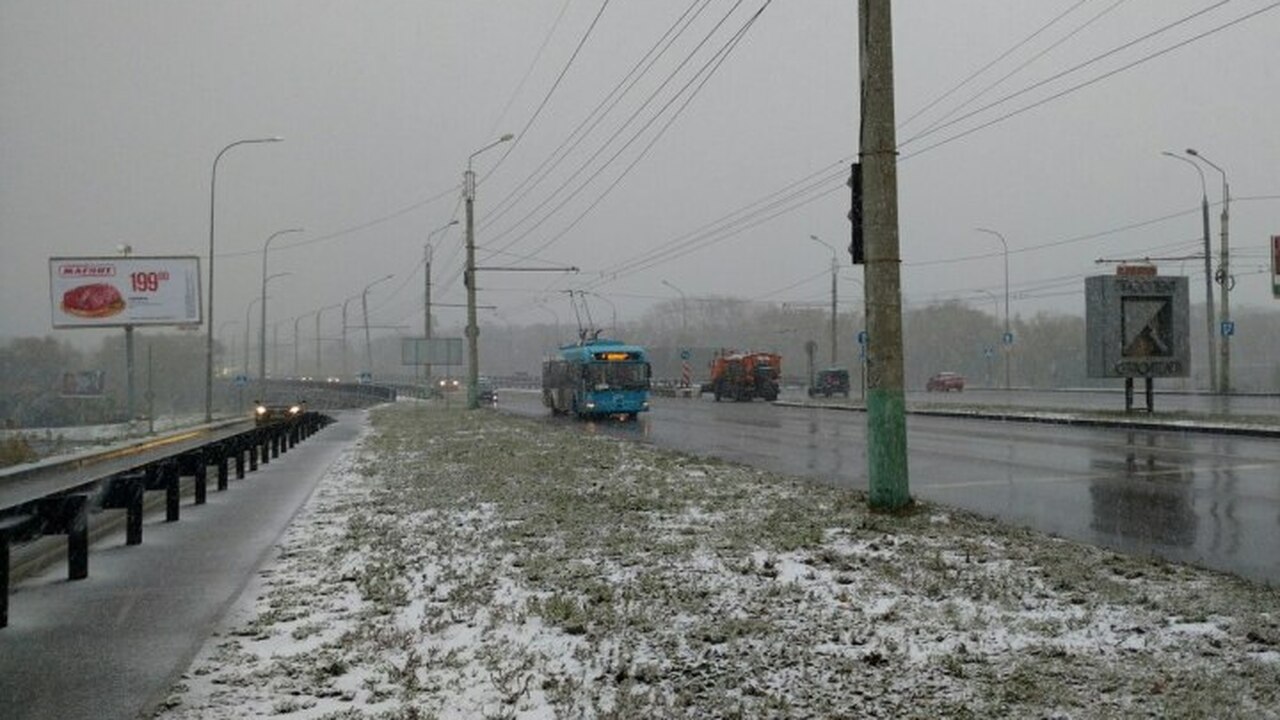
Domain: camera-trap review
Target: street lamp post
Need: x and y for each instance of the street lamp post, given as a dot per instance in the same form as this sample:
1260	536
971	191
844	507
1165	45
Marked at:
245	365
346	367
364	306
469	276
426	292
684	308
320	312
262	335
835	265
1006	340
262	331
208	345
1208	273
296	344
1223	276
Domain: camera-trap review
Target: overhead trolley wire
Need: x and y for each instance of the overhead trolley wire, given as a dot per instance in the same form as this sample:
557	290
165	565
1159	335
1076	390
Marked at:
547	98
635	115
557	156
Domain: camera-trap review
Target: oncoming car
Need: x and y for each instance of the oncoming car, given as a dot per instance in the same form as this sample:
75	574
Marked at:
945	382
268	413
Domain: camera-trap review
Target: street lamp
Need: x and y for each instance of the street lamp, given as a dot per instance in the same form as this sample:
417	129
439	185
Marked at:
469	276
684	308
296	320
834	266
1208	272
318	314
364	305
228	347
346	372
1007	340
426	292
208	345
262	337
262	332
1223	276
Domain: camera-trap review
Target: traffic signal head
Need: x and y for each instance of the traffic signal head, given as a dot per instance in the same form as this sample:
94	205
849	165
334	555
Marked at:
855	215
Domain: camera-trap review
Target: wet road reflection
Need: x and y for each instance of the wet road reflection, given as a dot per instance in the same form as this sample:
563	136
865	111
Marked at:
1206	499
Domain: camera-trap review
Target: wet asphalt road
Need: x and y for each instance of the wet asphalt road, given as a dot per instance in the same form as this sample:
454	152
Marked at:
111	645
1211	500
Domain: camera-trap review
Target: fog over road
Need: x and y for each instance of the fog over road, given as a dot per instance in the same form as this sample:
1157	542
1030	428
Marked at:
1207	499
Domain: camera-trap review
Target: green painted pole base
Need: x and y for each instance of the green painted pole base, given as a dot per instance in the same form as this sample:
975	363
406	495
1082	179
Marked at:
887	449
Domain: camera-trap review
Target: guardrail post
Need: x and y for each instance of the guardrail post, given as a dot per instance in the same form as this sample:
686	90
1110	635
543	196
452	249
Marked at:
69	515
239	448
164	476
265	440
193	463
220	458
253	454
125	492
275	444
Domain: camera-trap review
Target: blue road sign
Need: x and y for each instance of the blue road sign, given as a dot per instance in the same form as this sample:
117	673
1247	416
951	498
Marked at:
241	380
1007	338
685	354
1228	328
862	338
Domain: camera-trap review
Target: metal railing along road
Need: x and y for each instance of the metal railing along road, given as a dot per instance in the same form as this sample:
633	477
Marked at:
56	498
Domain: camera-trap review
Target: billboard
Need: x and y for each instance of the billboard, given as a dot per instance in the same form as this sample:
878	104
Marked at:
119	291
1137	326
85	383
433	351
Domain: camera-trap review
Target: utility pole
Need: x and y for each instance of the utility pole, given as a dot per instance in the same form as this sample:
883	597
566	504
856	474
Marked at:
426	302
886	402
834	333
1224	276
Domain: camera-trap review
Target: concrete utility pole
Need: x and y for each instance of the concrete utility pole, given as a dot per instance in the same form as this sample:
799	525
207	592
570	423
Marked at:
1005	343
1212	351
469	277
1224	275
886	400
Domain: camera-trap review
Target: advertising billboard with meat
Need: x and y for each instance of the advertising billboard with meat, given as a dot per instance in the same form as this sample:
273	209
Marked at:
119	291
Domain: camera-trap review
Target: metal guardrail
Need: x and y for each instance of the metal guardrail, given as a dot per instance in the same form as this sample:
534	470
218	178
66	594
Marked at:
56	499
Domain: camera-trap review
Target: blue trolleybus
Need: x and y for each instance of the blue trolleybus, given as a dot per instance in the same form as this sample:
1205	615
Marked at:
597	378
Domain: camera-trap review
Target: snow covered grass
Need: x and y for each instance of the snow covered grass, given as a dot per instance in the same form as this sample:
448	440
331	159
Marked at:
476	565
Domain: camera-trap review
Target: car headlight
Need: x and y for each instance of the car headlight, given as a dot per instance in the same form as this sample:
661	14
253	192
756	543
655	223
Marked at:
295	410
261	410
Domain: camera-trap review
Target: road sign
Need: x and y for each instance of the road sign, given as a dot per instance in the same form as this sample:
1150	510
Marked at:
1007	338
365	378
988	351
1228	328
685	354
241	380
862	338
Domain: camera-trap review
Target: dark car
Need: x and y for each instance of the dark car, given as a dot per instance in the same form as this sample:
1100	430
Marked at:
945	382
268	413
830	382
486	392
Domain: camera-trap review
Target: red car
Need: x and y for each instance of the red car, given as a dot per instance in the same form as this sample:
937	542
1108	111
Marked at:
945	382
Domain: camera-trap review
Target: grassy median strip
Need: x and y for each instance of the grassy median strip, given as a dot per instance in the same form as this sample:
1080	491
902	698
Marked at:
480	565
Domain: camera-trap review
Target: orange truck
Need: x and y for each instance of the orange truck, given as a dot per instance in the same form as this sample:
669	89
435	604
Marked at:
745	375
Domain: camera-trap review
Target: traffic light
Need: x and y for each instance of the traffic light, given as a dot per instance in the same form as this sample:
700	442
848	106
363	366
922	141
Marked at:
855	214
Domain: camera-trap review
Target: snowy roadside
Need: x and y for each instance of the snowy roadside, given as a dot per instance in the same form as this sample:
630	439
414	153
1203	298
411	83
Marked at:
478	565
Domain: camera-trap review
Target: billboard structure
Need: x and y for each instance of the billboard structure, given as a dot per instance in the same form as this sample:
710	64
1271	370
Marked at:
124	291
1137	326
431	351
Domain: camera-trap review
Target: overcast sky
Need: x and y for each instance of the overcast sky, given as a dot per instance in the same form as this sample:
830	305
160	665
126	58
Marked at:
111	113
